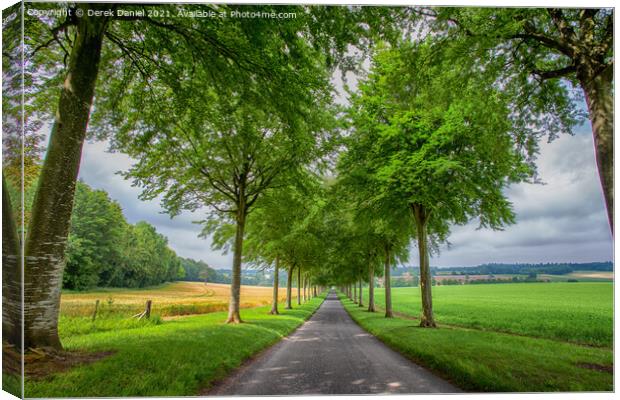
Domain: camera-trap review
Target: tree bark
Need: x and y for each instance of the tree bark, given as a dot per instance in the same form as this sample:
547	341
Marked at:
53	201
235	286
11	274
305	279
361	302
421	215
598	90
388	284
276	283
354	292
299	285
371	287
289	288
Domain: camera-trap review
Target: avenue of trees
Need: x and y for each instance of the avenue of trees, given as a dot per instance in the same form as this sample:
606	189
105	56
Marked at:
236	120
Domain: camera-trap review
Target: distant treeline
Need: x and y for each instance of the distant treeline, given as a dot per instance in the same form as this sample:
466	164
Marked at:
195	271
104	250
521	269
199	270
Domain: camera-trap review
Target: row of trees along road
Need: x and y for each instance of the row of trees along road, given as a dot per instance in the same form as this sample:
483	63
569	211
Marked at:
229	114
277	72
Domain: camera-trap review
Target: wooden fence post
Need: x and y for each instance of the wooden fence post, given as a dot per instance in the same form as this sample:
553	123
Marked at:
95	312
147	310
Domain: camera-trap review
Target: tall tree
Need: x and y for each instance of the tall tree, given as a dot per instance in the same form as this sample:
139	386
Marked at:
439	143
51	210
539	56
218	150
380	226
289	287
98	229
144	47
276	218
12	69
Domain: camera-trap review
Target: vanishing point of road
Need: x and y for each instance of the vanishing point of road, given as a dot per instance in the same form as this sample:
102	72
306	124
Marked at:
331	354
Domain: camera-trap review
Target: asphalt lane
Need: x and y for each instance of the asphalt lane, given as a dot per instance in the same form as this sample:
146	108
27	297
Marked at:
331	354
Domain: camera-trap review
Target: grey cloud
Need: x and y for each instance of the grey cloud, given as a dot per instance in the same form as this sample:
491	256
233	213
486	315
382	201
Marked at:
563	220
99	169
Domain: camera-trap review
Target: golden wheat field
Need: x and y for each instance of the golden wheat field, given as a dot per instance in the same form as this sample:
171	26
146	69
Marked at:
171	299
593	274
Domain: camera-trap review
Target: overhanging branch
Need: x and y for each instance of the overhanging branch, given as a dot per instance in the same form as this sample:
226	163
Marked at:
557	73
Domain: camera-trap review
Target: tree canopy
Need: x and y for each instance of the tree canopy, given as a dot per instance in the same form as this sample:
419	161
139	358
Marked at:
236	119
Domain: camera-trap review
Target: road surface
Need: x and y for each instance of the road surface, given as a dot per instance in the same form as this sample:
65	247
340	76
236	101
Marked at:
331	354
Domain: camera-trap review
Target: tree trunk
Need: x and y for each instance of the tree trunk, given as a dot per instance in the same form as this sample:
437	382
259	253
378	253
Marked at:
11	274
361	302
598	92
276	282
235	286
299	285
420	215
371	287
354	292
388	284
289	288
53	201
305	279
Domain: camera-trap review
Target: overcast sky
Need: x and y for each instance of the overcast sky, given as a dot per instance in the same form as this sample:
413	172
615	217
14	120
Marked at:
562	220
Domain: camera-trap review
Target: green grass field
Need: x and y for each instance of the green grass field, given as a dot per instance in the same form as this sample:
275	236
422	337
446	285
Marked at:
180	357
572	312
488	361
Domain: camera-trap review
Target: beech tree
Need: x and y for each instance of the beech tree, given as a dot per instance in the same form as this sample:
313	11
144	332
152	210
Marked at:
542	58
380	226
438	142
75	47
272	229
217	150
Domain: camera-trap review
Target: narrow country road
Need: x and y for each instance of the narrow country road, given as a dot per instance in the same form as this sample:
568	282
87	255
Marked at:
331	354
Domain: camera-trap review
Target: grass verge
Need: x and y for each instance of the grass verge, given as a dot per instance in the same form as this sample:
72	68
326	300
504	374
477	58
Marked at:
12	384
174	358
485	361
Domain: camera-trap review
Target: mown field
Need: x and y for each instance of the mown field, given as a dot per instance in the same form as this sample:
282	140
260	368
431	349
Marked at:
116	306
581	276
177	357
579	312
